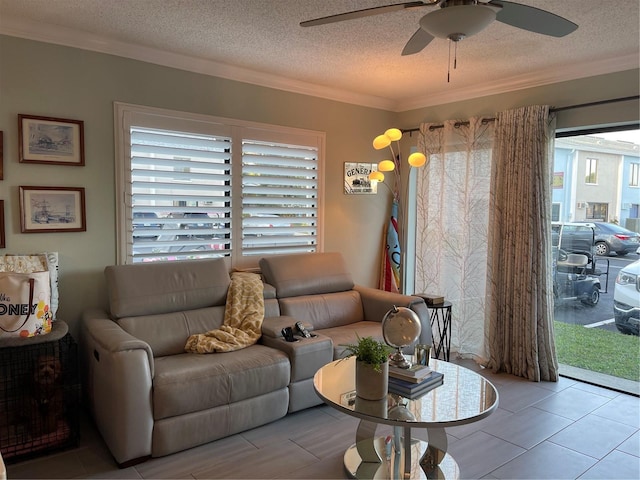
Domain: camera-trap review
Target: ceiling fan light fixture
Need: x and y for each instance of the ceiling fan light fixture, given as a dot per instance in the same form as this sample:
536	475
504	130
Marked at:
458	21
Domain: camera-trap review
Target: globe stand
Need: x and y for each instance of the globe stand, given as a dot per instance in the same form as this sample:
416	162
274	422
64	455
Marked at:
398	359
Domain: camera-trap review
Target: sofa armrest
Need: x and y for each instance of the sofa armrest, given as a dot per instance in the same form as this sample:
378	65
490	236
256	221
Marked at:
376	303
118	381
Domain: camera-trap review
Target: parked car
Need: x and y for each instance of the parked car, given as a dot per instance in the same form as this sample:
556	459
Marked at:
196	228
626	299
614	238
573	237
145	221
201	234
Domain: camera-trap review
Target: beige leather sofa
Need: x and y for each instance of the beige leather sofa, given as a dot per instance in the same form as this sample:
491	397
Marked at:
150	398
318	290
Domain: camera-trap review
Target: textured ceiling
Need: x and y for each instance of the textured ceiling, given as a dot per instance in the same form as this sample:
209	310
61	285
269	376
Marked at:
260	41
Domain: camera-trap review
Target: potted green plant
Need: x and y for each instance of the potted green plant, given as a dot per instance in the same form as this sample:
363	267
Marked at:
372	367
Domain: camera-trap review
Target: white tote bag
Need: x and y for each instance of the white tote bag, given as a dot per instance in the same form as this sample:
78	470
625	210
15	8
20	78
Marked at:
25	304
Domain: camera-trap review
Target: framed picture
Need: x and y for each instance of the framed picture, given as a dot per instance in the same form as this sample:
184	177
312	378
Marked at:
356	178
52	209
50	140
2	237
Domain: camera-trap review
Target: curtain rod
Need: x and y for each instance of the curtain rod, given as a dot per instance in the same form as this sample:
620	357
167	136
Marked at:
551	110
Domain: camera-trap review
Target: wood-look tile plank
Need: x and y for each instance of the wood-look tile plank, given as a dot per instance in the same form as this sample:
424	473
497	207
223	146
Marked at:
272	461
615	466
181	465
480	454
546	461
593	435
572	403
528	427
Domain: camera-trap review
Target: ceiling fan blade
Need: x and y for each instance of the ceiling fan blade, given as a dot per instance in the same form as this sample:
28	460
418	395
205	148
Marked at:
417	42
367	12
533	19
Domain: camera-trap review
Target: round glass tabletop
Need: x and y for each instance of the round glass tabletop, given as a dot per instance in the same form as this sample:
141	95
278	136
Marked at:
463	397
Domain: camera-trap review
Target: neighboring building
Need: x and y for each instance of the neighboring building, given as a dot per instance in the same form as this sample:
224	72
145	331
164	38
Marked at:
596	179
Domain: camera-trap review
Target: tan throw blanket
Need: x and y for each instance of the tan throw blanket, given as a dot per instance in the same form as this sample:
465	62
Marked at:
243	316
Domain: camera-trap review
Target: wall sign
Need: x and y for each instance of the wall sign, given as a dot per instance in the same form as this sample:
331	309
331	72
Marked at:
356	178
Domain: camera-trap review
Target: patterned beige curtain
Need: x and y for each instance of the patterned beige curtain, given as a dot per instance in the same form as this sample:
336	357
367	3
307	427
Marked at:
452	225
521	338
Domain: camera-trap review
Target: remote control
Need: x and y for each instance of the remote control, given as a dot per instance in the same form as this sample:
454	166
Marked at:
303	331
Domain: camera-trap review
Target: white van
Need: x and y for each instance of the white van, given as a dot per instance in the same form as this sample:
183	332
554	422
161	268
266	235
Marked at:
626	299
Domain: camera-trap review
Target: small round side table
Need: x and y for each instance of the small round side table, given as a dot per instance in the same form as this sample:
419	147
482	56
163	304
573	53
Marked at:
440	320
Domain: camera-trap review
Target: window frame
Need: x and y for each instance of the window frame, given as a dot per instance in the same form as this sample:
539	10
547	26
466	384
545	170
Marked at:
634	174
591	170
127	115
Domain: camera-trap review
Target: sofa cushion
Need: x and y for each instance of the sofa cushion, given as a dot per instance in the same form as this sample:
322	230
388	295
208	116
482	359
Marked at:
324	311
347	334
164	287
306	274
192	382
167	333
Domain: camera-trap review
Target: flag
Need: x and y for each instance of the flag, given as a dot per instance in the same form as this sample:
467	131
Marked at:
390	268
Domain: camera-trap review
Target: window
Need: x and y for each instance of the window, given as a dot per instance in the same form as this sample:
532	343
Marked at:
555	212
634	175
598	211
592	171
279	198
194	186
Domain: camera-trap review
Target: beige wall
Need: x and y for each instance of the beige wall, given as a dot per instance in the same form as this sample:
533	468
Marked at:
50	80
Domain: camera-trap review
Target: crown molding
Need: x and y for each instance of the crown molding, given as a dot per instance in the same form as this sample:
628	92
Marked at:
73	38
521	82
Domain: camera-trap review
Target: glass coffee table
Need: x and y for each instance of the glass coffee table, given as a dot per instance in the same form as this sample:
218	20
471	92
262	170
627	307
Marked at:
464	397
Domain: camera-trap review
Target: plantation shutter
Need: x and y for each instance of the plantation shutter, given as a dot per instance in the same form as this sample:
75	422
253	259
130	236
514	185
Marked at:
180	195
280	198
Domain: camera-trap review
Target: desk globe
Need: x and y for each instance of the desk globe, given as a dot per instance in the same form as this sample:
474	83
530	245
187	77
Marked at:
400	328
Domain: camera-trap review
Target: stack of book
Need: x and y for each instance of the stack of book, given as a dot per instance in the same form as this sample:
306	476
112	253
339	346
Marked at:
413	382
433	299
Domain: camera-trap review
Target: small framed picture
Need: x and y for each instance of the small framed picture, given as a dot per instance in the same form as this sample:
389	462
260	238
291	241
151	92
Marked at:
50	140
52	209
356	178
2	237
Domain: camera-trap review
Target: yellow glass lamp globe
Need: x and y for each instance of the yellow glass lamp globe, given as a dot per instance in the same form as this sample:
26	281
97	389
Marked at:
386	166
376	176
381	141
393	134
417	159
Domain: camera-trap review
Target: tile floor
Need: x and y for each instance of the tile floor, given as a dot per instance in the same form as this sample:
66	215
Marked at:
564	430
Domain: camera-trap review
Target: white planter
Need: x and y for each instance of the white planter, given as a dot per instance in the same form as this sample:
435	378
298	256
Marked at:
371	385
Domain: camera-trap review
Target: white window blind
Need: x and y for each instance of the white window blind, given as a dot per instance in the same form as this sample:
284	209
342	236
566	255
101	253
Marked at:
280	198
195	186
180	195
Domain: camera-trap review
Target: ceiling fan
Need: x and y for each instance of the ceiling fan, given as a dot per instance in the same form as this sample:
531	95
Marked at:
459	19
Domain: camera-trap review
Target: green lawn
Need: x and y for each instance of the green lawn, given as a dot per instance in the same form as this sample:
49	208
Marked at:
598	350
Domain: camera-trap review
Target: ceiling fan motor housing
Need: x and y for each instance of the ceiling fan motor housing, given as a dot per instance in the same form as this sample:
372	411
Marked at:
458	19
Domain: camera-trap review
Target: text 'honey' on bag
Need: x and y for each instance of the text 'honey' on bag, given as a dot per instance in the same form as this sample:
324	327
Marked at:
25	304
